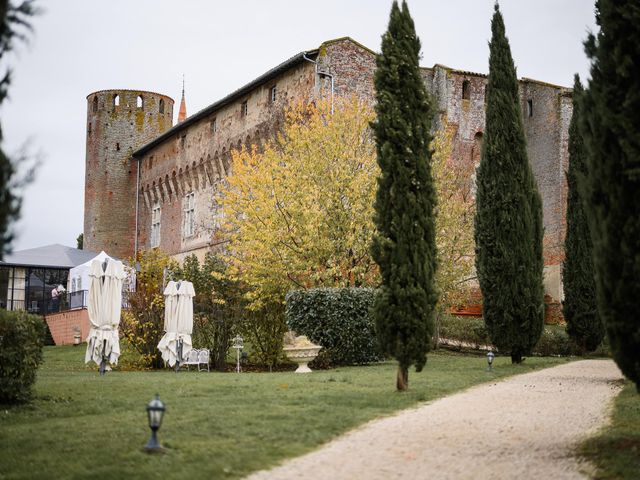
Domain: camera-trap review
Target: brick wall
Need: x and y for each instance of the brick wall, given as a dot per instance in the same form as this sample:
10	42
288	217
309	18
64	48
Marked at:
113	133
62	325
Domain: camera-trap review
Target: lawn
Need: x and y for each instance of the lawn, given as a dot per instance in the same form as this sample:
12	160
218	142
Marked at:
217	425
616	449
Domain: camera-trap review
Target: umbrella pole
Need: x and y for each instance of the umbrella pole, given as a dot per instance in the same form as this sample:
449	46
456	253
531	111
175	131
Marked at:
103	363
179	359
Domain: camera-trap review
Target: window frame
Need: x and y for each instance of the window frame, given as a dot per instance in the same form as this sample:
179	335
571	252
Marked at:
466	90
156	225
189	220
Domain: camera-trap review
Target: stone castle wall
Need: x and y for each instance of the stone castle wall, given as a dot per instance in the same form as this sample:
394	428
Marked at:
196	158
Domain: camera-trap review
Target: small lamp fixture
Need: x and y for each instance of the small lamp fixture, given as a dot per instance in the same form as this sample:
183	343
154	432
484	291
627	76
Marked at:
490	356
155	412
238	344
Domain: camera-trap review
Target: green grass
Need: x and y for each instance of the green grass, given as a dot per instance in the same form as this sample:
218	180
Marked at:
217	425
616	450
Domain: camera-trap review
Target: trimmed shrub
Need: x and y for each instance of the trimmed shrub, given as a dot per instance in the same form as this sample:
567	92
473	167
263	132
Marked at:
339	319
555	341
21	341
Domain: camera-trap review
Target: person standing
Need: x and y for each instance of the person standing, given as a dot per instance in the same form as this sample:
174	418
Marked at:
55	299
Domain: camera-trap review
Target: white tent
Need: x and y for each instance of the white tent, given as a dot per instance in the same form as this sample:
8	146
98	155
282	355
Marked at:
79	280
79	276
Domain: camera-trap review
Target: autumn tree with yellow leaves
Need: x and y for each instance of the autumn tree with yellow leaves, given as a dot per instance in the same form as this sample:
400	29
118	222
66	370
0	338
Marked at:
298	213
299	210
454	223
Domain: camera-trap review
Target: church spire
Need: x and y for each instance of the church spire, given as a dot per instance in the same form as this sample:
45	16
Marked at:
182	113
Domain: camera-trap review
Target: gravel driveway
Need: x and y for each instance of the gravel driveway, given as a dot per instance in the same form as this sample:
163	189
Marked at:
523	427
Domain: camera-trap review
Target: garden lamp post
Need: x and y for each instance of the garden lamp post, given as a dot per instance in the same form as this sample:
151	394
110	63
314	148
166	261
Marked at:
155	412
238	343
490	356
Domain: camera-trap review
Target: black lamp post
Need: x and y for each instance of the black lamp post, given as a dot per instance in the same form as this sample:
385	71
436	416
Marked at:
155	412
490	356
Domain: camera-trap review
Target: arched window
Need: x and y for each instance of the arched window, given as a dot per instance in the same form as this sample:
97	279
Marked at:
466	90
95	104
116	100
139	102
161	105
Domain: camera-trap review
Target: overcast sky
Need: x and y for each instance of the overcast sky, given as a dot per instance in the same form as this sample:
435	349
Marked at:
82	46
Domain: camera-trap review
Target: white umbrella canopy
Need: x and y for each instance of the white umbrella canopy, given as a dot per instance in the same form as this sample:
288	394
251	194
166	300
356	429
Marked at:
178	321
104	308
184	309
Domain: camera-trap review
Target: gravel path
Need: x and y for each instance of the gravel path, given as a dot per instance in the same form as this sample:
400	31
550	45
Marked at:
523	427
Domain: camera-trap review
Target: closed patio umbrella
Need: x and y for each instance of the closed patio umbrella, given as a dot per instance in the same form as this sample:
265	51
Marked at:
104	308
178	322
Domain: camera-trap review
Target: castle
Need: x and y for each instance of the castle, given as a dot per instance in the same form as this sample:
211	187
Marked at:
149	183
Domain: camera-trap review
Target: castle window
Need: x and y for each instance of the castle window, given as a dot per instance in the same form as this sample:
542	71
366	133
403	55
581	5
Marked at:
273	93
139	102
189	214
244	109
116	100
155	225
214	125
89	129
161	105
466	90
529	108
118	147
95	104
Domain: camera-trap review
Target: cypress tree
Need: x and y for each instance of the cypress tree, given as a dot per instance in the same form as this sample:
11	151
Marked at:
14	19
584	325
611	129
404	245
508	224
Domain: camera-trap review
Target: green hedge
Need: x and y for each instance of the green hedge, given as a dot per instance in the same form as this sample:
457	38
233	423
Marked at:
339	320
468	330
471	331
21	341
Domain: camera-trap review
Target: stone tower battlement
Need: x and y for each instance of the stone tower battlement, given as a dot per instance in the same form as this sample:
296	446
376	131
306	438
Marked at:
118	123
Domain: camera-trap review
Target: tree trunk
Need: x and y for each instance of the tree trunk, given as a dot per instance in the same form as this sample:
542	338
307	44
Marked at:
516	358
402	381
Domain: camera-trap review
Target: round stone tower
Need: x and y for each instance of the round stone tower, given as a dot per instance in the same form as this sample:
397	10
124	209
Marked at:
118	123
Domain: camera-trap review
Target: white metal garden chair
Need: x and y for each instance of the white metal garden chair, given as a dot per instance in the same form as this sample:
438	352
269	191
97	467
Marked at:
203	358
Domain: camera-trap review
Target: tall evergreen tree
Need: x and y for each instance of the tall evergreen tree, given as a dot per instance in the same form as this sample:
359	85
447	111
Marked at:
584	325
404	245
508	228
611	130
